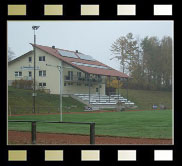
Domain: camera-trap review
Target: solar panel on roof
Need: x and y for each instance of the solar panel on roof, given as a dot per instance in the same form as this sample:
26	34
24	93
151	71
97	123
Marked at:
67	54
90	65
85	57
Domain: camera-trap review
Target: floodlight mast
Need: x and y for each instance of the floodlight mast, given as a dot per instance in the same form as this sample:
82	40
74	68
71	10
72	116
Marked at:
34	87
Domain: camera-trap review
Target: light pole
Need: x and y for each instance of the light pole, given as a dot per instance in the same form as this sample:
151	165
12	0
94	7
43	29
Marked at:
60	68
34	87
60	90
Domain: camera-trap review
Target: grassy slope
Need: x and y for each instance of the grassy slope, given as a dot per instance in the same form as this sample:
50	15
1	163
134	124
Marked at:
23	98
146	124
145	99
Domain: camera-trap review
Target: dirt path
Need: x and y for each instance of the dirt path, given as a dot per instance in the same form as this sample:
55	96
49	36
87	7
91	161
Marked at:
86	112
17	137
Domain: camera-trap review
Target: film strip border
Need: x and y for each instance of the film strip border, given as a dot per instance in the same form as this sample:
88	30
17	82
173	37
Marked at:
89	155
82	154
88	10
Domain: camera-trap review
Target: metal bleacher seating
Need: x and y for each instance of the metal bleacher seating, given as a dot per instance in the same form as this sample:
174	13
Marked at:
95	99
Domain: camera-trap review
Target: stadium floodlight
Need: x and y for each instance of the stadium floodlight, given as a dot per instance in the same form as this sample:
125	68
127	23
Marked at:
34	87
35	27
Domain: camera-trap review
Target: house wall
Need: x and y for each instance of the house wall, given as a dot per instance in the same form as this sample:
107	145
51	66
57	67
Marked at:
52	78
52	74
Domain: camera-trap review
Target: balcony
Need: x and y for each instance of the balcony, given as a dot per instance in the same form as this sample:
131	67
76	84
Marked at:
27	78
82	79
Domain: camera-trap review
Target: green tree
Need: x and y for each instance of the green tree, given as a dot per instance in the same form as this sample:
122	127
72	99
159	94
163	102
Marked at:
151	60
148	61
166	67
157	58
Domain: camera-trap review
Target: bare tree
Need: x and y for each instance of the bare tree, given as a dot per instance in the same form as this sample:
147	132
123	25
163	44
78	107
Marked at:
10	54
119	48
124	49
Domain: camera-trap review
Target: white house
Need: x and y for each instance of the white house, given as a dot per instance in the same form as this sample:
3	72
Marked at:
80	73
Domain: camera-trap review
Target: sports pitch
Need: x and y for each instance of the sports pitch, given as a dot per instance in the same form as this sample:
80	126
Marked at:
138	124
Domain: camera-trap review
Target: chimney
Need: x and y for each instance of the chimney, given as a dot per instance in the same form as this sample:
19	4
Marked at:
76	51
53	47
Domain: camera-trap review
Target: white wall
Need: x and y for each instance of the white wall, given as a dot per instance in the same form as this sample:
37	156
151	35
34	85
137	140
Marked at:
52	74
52	78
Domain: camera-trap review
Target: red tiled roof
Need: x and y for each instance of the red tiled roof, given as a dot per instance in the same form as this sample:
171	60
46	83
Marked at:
90	70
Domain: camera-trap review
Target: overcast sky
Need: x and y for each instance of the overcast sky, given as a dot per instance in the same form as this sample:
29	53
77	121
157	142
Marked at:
89	37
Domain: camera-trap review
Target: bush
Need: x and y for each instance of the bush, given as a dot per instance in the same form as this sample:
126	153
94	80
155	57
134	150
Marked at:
23	84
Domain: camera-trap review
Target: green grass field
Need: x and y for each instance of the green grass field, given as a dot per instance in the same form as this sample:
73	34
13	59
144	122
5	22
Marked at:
143	124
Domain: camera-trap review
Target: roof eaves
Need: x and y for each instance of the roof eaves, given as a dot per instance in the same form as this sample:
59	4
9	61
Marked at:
19	57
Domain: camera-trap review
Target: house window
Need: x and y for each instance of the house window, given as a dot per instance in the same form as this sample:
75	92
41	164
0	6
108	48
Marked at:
30	59
42	84
86	75
97	89
18	74
30	74
79	74
42	73
64	84
41	58
70	75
